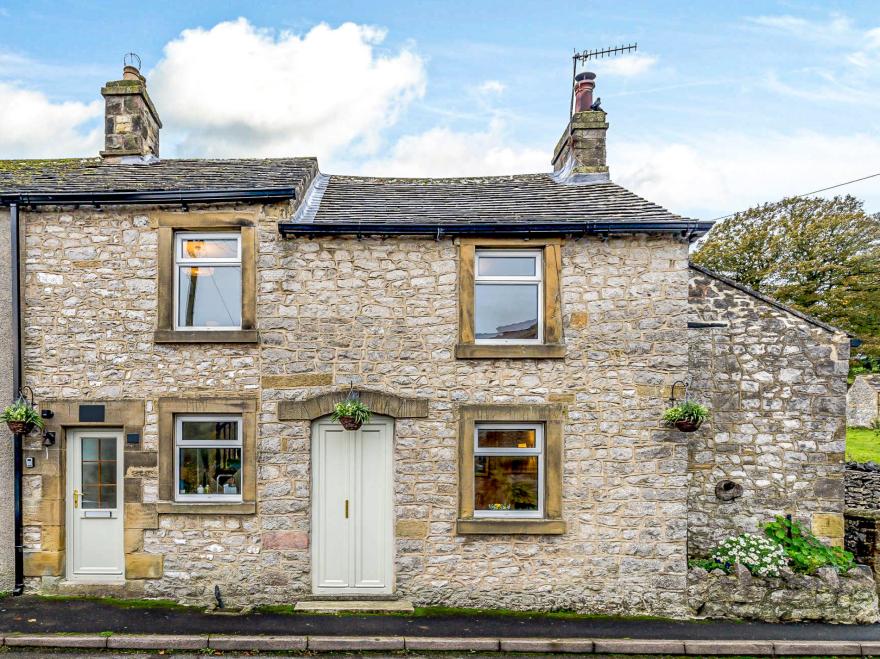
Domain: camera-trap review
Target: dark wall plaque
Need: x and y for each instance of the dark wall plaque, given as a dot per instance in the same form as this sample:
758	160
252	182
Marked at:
91	414
133	438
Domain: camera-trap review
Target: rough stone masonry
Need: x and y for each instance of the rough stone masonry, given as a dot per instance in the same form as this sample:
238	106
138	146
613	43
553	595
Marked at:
383	314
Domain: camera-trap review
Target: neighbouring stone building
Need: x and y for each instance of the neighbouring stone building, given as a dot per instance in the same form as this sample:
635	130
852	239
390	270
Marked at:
863	401
189	325
775	382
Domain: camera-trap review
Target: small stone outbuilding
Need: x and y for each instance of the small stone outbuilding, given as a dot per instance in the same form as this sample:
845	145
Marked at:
863	401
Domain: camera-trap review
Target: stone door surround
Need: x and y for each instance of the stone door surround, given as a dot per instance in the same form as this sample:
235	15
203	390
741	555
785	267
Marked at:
315	407
48	511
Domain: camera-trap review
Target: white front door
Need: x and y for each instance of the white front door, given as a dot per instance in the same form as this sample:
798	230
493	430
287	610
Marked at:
353	508
94	506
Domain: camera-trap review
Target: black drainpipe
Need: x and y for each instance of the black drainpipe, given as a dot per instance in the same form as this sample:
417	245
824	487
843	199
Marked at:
15	277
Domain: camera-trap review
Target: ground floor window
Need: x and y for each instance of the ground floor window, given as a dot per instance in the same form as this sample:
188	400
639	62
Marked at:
510	461
508	470
208	457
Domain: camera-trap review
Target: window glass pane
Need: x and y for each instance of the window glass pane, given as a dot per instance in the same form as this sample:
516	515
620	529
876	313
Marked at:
226	430
90	448
506	311
210	471
90	473
506	437
507	266
209	296
108	496
209	248
505	482
108	448
91	496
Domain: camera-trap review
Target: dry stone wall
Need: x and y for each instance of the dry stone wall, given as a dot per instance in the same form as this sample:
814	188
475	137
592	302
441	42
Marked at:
776	388
382	314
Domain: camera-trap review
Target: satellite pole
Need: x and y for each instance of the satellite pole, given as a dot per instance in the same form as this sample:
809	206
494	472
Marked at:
584	56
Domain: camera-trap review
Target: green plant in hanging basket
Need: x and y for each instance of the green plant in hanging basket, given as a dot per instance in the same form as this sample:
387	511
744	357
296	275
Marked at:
21	417
686	416
351	413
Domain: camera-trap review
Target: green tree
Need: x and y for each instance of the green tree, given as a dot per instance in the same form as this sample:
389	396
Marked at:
820	256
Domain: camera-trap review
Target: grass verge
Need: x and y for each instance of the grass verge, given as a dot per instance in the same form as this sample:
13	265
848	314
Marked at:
862	445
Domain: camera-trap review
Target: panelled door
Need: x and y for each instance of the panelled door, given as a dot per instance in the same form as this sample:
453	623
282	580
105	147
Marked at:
352	508
95	506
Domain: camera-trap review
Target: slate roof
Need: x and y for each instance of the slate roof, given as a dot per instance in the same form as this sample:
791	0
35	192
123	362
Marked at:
502	199
94	175
527	198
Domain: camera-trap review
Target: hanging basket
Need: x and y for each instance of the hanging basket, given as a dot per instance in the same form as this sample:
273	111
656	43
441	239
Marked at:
20	427
685	425
350	423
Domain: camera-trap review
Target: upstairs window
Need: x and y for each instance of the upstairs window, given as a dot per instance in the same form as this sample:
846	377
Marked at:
207	281
508	297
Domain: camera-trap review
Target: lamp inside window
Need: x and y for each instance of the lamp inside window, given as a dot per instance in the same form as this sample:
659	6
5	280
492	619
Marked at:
207	281
508	470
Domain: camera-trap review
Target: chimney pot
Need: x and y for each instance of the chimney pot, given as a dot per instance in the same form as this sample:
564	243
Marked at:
585	83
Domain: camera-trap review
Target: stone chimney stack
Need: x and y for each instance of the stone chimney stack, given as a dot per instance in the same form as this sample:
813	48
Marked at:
580	153
131	123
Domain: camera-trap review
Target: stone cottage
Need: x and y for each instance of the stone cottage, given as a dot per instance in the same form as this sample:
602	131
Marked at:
188	325
863	401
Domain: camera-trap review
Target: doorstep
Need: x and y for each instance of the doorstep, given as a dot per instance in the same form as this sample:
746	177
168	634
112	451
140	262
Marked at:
354	606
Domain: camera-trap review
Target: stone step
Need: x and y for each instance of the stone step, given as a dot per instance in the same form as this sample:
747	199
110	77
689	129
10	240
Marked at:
354	606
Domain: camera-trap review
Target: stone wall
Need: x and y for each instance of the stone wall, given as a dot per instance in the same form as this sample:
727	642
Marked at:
862	401
382	314
775	385
847	599
863	486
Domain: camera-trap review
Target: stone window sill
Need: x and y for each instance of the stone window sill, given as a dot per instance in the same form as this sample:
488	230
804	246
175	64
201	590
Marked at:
483	351
178	508
209	336
494	526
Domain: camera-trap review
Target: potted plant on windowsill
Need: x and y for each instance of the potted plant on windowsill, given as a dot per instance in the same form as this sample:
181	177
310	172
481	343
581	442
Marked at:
21	417
686	416
351	413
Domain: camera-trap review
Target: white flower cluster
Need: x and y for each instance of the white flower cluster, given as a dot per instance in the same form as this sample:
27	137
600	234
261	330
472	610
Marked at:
762	556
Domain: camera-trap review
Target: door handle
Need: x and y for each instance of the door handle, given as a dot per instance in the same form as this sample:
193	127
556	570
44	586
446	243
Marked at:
346	509
75	499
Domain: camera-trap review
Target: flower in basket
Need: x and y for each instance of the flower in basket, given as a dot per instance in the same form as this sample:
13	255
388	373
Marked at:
351	413
686	416
21	417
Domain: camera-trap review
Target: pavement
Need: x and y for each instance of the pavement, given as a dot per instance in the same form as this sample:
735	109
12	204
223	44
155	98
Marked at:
41	622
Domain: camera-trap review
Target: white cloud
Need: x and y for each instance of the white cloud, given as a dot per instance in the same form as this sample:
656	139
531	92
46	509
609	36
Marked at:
492	87
626	67
236	90
711	175
446	152
32	126
834	29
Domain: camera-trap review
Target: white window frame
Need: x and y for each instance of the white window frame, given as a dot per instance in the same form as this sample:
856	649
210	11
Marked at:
183	261
511	452
538	279
202	443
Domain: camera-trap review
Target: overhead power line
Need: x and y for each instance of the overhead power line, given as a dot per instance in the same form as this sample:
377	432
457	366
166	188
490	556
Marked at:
805	194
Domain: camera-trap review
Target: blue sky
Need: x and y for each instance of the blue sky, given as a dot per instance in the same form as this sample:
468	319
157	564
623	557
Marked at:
723	106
